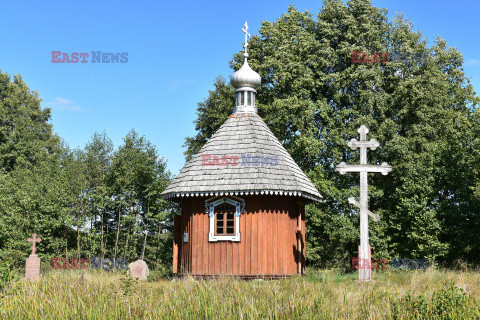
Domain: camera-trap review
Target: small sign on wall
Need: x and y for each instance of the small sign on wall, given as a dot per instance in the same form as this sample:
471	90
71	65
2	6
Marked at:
185	237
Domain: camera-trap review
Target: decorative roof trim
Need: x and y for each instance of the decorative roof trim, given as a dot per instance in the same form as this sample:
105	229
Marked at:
236	192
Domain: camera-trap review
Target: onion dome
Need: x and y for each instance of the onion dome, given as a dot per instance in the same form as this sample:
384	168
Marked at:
245	76
245	81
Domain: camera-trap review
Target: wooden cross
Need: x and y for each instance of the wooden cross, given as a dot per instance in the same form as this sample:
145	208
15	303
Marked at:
365	272
245	30
34	241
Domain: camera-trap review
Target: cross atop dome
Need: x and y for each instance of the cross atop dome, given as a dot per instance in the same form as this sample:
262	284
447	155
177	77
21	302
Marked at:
247	35
245	81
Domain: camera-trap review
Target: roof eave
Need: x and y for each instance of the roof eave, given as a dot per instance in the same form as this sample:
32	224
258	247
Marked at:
175	195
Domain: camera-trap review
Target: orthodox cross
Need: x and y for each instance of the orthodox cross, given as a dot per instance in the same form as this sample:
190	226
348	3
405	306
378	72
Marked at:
34	241
245	30
364	168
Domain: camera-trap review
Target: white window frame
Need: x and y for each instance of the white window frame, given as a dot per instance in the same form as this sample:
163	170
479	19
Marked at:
211	211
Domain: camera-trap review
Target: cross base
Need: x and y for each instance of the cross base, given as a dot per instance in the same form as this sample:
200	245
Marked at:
32	268
365	265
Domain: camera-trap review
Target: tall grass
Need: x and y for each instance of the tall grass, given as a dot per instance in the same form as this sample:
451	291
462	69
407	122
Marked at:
427	294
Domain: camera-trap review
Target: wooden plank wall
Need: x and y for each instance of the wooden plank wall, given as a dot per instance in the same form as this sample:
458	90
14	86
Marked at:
268	244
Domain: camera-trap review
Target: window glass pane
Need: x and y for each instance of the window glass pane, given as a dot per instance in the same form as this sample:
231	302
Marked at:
225	214
238	98
242	97
249	98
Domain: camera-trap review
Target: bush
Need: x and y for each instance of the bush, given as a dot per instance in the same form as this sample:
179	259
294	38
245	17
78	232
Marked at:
7	274
449	302
160	271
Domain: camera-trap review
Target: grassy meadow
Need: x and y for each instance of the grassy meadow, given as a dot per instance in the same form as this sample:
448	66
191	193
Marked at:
430	294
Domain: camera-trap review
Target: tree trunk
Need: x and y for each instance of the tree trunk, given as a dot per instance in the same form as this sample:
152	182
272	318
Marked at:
118	232
106	243
78	235
126	244
102	248
144	244
158	236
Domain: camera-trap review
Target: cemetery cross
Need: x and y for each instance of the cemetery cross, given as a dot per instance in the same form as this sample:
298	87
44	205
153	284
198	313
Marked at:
34	241
365	272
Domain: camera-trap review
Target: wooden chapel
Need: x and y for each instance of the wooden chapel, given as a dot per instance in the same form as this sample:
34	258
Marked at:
242	198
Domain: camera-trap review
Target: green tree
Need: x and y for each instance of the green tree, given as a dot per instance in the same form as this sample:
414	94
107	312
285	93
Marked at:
78	201
35	200
314	99
26	137
136	179
98	160
32	193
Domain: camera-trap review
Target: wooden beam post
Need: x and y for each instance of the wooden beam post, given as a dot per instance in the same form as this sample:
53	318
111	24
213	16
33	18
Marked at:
176	230
300	208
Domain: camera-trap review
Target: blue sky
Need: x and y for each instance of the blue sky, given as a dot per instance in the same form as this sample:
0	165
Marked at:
175	49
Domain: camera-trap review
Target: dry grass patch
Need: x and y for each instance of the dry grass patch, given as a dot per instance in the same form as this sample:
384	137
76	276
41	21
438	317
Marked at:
322	295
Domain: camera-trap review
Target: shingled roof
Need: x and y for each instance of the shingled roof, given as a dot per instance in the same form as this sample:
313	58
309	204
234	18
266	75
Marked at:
244	136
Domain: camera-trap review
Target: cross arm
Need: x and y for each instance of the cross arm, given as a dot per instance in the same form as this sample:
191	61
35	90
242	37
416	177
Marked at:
374	216
354	144
343	168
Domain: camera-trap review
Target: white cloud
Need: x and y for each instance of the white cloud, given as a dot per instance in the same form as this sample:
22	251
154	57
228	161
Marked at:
64	104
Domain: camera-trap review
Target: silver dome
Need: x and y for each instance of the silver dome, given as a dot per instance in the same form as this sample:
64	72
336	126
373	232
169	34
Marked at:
245	77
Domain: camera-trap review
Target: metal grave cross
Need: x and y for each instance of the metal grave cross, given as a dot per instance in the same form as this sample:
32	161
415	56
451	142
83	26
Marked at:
34	241
245	30
365	272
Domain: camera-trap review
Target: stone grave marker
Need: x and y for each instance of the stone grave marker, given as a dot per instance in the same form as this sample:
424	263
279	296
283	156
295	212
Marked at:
32	266
138	270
